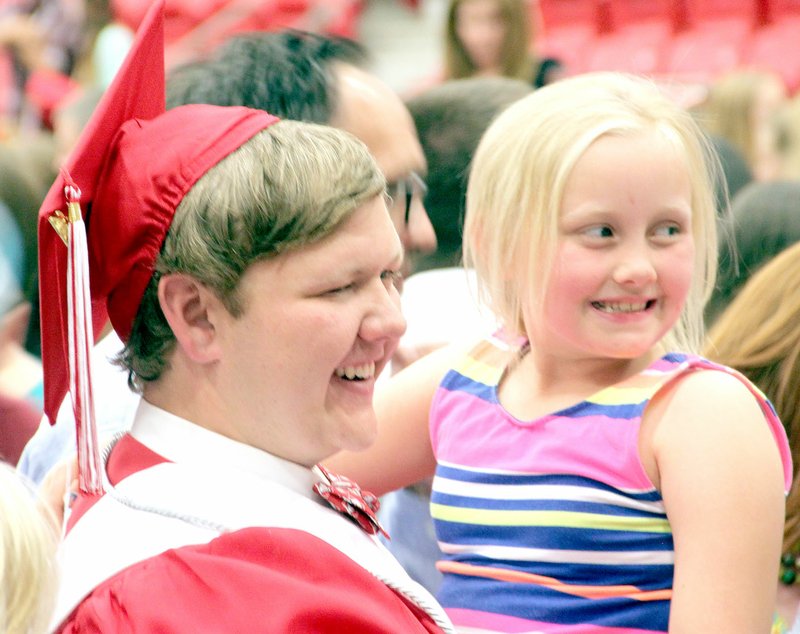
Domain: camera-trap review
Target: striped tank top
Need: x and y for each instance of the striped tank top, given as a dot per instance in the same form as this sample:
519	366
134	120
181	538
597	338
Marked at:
553	525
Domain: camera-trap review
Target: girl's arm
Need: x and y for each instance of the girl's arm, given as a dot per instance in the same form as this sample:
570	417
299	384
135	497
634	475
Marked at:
401	454
721	480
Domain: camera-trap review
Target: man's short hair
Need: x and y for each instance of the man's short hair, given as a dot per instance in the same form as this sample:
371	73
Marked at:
291	185
287	73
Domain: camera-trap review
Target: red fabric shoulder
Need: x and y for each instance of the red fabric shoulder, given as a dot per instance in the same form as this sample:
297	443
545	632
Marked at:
252	580
127	457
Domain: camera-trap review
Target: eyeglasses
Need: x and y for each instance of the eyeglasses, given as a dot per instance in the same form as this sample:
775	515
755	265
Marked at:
405	190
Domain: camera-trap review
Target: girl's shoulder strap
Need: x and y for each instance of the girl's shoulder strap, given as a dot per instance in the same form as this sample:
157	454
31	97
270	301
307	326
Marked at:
672	366
684	364
687	363
641	387
488	359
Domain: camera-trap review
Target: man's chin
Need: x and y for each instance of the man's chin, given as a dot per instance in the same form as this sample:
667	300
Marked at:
362	438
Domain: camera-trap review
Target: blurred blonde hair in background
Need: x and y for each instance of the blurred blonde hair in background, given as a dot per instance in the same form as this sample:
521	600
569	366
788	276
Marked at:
28	574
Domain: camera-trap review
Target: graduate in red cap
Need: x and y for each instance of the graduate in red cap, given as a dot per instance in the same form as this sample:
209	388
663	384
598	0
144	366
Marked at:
249	265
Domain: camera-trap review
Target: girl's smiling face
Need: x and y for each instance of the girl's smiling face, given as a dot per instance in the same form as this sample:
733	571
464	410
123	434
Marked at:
625	252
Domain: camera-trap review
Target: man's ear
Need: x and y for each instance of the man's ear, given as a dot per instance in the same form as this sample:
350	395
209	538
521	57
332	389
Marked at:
187	306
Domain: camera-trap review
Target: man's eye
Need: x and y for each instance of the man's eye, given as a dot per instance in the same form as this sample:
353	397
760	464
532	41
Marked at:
392	278
340	289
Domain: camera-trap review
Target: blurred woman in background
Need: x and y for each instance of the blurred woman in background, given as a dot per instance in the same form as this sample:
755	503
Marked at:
494	37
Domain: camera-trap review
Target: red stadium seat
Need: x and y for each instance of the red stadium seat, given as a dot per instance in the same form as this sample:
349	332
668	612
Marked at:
777	47
560	13
567	31
636	48
636	37
701	54
773	11
569	44
623	14
333	17
347	18
709	10
716	38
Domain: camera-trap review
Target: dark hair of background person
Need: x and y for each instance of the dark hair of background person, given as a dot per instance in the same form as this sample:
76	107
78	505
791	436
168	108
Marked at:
25	174
450	120
26	171
736	172
765	219
27	168
286	73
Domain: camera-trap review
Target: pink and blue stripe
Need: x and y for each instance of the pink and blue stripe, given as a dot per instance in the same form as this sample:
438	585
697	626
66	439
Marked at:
551	525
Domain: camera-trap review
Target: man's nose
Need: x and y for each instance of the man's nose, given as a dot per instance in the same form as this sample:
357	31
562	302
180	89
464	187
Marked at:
384	319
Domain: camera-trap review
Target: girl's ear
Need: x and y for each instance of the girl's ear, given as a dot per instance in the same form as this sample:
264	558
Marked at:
187	306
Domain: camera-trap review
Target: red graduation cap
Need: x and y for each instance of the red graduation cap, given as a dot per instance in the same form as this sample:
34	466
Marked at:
130	169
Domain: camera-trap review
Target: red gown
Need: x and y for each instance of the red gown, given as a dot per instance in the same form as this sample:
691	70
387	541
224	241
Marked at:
181	546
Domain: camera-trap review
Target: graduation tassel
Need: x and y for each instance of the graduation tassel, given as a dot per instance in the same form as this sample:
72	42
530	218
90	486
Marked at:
80	340
68	310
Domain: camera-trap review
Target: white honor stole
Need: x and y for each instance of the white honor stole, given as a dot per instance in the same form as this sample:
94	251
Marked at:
169	506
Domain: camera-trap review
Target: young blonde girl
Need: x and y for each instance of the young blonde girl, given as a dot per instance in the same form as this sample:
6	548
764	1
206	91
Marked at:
591	472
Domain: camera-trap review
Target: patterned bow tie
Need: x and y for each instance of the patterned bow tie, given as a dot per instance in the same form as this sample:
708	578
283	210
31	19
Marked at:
346	496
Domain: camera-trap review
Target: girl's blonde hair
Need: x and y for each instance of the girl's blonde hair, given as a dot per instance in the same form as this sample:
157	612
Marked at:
28	579
515	57
759	335
522	166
